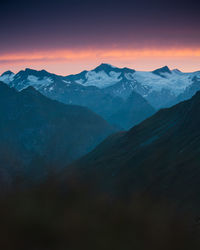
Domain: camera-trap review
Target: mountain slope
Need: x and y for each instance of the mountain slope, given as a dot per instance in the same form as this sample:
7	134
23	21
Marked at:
188	92
34	128
160	156
133	111
158	87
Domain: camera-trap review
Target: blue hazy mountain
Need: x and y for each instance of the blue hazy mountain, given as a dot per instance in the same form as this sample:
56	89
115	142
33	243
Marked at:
79	90
34	128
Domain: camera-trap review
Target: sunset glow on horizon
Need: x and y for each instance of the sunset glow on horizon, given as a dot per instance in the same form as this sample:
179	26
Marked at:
71	61
66	37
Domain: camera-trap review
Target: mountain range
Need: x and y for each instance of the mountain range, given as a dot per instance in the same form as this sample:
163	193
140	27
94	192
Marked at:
160	87
69	90
42	131
35	129
106	90
152	156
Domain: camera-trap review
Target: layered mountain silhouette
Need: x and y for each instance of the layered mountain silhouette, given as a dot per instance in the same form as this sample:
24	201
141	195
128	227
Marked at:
122	96
160	87
36	132
159	157
81	90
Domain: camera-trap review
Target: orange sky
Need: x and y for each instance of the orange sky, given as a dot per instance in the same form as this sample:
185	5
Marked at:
73	61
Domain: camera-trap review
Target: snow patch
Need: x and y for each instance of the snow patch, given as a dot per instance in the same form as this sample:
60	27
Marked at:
177	83
38	83
101	79
7	78
51	88
129	76
80	81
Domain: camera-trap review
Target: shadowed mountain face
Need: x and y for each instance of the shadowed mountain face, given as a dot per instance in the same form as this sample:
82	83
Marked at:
34	128
160	156
132	111
162	71
189	91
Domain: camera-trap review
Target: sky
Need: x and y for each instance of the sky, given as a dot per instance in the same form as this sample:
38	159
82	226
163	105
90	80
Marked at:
69	36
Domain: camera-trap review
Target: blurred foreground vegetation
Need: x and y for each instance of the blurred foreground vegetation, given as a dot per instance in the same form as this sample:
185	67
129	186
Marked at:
48	216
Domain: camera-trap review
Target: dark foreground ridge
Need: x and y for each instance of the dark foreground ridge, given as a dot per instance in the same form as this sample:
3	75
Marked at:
159	157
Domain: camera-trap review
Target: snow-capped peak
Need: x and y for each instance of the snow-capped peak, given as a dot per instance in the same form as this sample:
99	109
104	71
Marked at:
105	75
104	67
7	73
163	78
27	77
162	71
7	77
122	81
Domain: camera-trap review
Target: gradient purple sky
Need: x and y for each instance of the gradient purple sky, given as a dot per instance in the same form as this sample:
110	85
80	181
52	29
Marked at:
68	36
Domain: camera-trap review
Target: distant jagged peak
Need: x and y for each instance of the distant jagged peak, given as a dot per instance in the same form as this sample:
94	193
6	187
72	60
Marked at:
34	71
33	76
177	71
7	77
162	71
28	72
104	66
127	70
108	68
8	72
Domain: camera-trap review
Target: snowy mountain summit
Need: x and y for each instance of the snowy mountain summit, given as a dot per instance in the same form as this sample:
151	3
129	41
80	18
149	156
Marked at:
160	87
103	76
